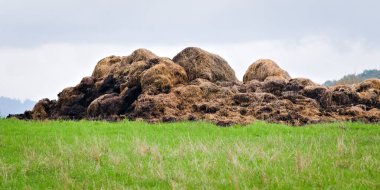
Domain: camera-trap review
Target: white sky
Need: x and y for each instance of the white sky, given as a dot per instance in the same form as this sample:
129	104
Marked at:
46	46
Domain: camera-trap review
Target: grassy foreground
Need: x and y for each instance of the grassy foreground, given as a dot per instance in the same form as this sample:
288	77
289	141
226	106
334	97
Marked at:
137	155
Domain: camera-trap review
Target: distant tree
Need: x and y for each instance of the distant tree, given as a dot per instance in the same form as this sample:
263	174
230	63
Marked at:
348	79
367	74
330	83
353	78
14	106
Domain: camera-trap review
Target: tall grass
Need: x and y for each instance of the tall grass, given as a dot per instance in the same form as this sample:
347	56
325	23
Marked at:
187	155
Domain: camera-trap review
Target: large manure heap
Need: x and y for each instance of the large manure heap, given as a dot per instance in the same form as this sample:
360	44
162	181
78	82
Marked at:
198	85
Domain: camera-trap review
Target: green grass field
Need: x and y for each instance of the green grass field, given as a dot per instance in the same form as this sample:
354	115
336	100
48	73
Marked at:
187	155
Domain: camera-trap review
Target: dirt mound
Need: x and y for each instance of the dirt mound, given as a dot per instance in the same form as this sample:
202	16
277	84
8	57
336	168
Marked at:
116	65
162	76
202	64
105	105
199	85
107	66
265	69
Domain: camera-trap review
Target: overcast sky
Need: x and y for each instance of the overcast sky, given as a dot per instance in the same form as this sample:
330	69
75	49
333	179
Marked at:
47	45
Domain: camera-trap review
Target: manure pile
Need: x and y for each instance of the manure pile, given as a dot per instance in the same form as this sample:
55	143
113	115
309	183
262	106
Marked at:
198	85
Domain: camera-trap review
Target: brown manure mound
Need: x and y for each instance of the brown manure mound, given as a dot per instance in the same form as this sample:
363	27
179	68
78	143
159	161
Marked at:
115	65
202	64
264	69
162	76
198	85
